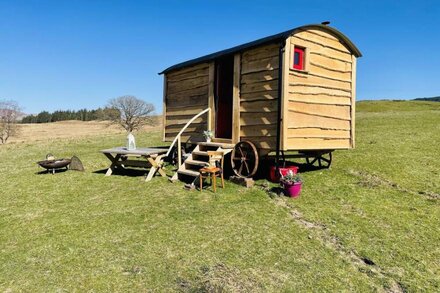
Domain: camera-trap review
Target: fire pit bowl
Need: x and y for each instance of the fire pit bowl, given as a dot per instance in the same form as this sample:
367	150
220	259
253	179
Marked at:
54	164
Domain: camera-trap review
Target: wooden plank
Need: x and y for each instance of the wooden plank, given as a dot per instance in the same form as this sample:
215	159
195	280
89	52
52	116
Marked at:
323	41
164	105
324	115
307	79
260	65
193	127
330	63
301	120
188	76
308	73
201	90
270	85
236	100
353	102
306	61
319	48
184	111
182	120
187	84
314	132
261	119
187	137
325	72
322	33
263	130
188	101
328	68
259	76
332	57
318	91
134	163
317	143
195	104
260	52
263	55
259	106
175	100
259	96
320	87
186	133
319	99
211	101
333	111
188	70
262	142
287	62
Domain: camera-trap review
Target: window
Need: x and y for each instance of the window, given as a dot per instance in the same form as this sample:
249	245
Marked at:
298	58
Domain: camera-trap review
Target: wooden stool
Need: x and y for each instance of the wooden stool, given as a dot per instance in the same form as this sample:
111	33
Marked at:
213	171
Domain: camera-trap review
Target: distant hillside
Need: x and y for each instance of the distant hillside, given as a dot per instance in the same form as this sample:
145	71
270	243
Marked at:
432	99
396	106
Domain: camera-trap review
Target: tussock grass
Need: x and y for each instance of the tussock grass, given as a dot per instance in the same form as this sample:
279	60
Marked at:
371	223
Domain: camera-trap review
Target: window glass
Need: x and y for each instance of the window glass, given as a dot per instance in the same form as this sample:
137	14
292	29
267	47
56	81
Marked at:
298	58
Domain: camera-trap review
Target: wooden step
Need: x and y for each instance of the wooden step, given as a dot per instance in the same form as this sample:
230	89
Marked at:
200	153
217	144
196	163
189	173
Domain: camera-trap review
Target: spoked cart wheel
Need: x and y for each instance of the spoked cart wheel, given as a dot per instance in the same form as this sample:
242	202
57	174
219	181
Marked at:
244	159
319	159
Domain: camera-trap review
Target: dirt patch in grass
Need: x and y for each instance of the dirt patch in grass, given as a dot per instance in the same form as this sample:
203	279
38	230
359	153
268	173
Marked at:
371	181
221	278
324	235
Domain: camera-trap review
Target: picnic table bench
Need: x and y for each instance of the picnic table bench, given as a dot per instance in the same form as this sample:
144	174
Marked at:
141	158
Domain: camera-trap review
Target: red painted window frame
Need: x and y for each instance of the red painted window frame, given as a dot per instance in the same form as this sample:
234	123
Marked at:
300	51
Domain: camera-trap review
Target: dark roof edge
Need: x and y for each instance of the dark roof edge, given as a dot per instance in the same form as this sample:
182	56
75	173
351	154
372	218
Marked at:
267	40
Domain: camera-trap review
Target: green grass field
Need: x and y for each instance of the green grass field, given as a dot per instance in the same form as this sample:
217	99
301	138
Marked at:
370	223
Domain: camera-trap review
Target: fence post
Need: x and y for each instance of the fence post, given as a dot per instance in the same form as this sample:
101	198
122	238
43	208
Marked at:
209	119
179	152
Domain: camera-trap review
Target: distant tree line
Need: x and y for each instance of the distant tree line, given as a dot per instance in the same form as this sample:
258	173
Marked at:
433	99
81	115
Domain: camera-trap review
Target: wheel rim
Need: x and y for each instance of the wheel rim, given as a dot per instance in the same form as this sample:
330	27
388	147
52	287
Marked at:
320	160
244	159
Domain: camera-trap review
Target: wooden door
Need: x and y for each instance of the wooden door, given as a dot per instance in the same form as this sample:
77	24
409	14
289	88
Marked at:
223	97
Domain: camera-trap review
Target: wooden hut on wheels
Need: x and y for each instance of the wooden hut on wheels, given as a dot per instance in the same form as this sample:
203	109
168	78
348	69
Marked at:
293	91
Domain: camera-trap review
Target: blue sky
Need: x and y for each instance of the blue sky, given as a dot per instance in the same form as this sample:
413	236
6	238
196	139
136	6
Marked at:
79	54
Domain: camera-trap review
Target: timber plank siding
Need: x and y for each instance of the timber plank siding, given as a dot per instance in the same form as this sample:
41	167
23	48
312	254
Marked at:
259	96
317	106
320	97
186	95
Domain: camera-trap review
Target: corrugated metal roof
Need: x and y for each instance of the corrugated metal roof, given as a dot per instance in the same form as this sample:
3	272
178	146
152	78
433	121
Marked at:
263	41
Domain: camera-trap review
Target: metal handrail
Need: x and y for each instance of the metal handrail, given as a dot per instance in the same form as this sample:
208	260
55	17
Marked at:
177	138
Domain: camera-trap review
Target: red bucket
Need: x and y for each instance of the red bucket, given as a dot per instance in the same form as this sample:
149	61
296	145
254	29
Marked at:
274	177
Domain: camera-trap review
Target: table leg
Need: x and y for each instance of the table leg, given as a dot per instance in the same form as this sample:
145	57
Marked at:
156	166
114	161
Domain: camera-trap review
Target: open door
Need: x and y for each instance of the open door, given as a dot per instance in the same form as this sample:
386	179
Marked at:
223	96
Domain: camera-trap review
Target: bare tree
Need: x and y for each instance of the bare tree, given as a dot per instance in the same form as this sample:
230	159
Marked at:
133	112
9	113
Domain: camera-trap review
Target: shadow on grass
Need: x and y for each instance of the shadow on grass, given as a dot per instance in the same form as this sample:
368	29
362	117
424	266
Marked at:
45	172
124	172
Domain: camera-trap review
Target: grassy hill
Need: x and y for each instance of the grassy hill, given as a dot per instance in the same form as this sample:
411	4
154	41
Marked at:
370	223
395	106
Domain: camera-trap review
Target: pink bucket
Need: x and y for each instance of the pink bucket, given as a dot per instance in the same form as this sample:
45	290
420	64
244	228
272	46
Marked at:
293	190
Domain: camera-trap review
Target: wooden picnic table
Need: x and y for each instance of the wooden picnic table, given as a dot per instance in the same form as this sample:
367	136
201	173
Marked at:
141	158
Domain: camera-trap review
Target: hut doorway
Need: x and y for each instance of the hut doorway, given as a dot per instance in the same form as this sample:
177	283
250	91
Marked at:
224	84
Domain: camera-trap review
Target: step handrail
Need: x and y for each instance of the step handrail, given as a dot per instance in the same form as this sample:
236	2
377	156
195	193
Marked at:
178	139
